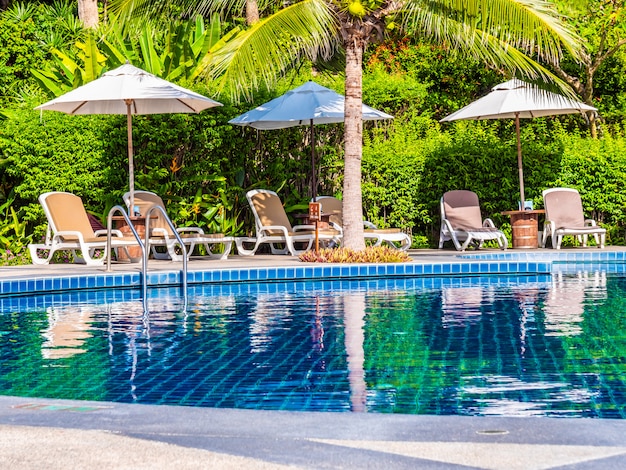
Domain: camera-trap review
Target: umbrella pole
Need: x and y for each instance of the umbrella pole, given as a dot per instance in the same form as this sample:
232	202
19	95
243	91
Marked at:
317	239
131	170
520	168
313	161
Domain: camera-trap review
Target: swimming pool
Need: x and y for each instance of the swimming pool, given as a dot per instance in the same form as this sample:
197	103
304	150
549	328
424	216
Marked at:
531	345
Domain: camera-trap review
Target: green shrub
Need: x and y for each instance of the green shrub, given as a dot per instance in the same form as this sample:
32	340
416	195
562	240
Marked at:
20	53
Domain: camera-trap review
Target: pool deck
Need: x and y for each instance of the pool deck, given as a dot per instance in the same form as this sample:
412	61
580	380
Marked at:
62	434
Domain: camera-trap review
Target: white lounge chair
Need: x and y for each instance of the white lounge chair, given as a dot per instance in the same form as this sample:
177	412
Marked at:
161	234
461	222
69	229
564	216
273	228
394	237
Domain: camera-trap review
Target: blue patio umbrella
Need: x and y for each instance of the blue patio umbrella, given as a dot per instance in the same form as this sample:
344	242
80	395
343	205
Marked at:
308	104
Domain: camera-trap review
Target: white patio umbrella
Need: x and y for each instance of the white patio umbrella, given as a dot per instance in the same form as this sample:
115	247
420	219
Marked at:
308	104
129	90
517	99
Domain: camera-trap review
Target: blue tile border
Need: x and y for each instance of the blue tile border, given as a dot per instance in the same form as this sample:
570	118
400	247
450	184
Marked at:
467	265
594	255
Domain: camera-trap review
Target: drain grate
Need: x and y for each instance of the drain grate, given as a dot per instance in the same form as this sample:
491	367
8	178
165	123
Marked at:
492	432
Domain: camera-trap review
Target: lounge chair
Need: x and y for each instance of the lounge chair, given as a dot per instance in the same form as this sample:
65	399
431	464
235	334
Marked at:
394	237
161	234
564	216
69	229
461	222
273	228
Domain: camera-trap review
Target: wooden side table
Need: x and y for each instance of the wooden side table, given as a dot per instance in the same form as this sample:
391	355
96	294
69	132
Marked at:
525	228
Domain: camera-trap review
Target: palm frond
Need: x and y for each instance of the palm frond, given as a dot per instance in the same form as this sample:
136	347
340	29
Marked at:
259	55
532	26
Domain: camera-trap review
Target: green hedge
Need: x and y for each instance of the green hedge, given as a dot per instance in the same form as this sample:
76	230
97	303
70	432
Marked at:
203	166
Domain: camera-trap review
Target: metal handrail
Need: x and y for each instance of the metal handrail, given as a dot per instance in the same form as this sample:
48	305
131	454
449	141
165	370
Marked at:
178	238
145	246
144	257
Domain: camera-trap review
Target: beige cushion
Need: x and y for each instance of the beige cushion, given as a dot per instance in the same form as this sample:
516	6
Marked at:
332	205
462	210
270	210
68	214
564	208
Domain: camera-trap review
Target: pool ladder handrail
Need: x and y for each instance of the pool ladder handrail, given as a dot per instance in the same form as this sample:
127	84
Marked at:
179	239
145	247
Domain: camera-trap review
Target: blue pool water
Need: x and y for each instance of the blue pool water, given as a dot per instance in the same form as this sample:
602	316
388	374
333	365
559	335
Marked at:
544	345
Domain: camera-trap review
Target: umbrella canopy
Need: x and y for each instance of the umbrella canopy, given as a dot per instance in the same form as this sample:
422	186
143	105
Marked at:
308	104
129	90
517	99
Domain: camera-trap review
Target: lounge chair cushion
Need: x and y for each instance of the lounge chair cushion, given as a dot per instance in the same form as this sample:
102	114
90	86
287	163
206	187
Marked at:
67	212
272	213
462	209
144	200
565	208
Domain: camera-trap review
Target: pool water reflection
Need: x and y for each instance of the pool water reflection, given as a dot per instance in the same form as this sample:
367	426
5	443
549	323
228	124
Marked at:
519	346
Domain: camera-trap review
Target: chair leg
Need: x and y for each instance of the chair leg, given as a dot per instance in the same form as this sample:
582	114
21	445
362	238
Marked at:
503	243
35	257
465	244
239	242
442	237
279	251
544	237
556	241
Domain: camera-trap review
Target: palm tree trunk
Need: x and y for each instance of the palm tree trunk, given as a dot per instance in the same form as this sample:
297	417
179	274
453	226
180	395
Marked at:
88	13
252	12
353	134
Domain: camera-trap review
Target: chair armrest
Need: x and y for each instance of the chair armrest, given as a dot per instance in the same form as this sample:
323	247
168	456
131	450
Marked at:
590	222
69	233
190	229
158	231
280	228
300	227
336	226
489	223
103	232
368	224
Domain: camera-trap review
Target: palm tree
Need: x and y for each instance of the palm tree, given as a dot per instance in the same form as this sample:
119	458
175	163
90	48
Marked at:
498	32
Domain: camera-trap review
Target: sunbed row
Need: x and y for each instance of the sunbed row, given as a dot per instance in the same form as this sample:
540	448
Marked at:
69	229
461	220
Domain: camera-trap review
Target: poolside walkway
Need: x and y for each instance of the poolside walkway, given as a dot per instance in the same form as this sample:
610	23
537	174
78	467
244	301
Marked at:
61	434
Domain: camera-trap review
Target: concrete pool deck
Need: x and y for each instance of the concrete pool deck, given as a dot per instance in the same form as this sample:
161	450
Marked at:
50	433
